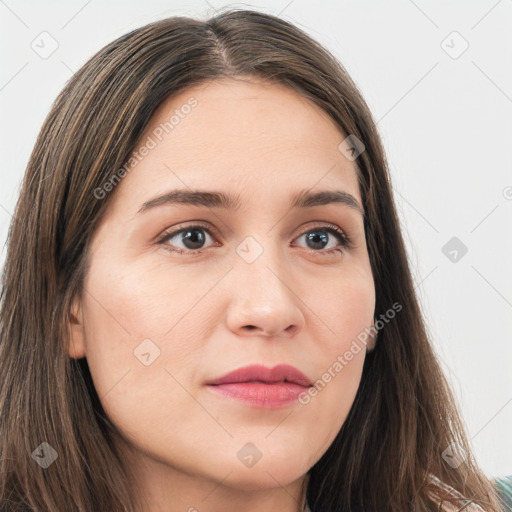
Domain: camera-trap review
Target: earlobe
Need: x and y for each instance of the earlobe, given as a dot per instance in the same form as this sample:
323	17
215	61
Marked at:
76	348
371	345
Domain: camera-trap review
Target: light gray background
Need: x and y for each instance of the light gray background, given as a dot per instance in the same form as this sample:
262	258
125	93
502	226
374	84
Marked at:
445	120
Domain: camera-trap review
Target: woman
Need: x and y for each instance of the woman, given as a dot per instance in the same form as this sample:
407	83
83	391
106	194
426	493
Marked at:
206	300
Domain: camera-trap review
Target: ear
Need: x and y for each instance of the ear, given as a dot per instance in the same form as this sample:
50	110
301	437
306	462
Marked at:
76	348
371	344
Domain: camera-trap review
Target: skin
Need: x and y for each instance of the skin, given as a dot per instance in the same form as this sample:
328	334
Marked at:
262	142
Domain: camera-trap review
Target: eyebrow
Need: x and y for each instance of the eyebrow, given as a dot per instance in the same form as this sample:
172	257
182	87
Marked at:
218	199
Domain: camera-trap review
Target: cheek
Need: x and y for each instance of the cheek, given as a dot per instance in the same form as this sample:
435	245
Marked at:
131	302
137	376
339	369
346	309
346	305
142	340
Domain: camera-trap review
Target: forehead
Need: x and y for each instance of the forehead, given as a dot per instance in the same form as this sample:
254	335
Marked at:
241	133
244	110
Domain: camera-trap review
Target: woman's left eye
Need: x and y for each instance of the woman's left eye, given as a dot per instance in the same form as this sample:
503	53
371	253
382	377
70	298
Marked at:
322	236
194	237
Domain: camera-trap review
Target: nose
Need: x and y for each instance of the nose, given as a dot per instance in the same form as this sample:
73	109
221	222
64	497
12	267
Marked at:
265	299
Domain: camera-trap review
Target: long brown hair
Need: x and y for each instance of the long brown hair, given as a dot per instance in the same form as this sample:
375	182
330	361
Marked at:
403	416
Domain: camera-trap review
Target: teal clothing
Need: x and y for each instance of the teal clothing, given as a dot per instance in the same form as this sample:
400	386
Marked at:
504	487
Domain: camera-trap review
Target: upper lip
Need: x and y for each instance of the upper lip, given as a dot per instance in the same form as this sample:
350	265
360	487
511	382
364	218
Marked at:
258	373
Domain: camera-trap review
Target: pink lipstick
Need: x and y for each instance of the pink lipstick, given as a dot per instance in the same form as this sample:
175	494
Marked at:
256	385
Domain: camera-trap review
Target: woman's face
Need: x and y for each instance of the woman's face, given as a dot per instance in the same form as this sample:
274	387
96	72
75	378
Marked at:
260	282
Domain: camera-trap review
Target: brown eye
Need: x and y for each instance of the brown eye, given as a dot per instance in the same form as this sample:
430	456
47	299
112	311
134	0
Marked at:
191	239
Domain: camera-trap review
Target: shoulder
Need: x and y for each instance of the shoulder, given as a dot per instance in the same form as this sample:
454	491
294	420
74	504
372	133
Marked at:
503	485
459	502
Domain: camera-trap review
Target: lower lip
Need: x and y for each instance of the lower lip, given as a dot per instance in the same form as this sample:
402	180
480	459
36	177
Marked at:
259	394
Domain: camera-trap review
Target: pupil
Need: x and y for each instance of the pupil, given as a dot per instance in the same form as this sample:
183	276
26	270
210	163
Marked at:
312	237
193	239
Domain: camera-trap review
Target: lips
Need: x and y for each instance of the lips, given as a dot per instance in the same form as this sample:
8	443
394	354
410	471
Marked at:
261	387
258	373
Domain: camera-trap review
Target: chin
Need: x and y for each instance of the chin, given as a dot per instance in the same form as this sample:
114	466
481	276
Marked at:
262	476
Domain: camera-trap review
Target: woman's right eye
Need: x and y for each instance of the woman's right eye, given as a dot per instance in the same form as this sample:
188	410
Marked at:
192	237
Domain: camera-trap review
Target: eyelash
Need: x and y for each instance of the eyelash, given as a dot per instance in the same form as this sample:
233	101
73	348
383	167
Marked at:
344	240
